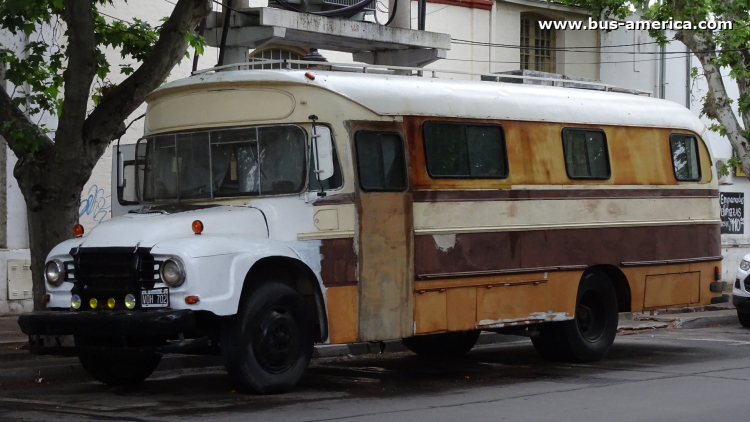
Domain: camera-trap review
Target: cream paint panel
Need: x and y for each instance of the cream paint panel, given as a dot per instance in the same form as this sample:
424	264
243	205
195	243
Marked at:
332	221
395	95
228	106
549	214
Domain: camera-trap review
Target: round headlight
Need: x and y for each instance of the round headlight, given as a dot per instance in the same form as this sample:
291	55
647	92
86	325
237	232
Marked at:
54	272
172	273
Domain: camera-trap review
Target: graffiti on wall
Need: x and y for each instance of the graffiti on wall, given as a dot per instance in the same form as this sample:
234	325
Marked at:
95	206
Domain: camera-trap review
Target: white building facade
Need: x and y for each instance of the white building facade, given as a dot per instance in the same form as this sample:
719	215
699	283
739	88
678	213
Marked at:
488	37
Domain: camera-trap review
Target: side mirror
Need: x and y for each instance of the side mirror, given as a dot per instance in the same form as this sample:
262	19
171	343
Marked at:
322	144
120	169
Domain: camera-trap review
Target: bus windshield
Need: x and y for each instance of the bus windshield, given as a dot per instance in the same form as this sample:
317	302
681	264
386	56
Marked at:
250	161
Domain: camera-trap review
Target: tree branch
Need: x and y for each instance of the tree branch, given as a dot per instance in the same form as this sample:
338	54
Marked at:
718	103
125	98
80	71
13	122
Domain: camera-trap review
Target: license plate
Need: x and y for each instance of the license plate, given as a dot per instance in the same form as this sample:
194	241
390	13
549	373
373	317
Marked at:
157	298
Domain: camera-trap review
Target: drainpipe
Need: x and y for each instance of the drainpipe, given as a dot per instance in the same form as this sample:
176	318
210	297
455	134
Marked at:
493	35
663	71
687	77
421	13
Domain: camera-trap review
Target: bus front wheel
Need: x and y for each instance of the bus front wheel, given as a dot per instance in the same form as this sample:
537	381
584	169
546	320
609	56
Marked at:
269	343
443	345
589	336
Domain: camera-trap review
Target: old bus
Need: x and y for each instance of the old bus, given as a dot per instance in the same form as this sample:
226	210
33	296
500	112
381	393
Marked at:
264	211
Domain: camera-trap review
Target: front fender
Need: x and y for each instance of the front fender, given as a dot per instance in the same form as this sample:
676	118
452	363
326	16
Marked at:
216	267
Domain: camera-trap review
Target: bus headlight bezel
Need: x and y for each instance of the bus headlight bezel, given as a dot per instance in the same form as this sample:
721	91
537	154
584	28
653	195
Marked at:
172	272
54	272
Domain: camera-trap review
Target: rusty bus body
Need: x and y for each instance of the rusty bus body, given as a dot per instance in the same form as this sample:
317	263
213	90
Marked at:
433	259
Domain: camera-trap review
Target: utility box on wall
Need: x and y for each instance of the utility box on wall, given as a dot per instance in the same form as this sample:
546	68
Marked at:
19	279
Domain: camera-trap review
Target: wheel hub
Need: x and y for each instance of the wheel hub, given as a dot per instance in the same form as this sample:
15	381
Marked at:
591	315
276	340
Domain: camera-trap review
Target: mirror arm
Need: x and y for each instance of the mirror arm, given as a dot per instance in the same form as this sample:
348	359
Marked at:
317	170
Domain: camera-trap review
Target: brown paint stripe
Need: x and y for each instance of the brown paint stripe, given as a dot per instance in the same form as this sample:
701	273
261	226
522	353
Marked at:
673	261
480	253
335	199
547	194
339	264
501	272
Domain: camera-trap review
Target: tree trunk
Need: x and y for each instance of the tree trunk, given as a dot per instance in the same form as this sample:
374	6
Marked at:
51	208
49	224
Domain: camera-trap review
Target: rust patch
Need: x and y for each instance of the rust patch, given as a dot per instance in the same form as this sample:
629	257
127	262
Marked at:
638	156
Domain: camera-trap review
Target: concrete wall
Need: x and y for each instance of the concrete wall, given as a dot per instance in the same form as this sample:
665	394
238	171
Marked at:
14	241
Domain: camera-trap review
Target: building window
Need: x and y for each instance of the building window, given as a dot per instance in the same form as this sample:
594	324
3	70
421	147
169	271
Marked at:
274	54
685	157
586	155
465	151
537	45
380	161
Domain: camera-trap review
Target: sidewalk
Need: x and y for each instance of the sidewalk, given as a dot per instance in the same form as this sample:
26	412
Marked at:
17	365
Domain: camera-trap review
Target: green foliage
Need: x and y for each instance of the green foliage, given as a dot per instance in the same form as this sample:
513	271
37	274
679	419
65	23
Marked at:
37	70
727	48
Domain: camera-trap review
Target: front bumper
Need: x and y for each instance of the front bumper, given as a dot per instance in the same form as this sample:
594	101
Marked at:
157	323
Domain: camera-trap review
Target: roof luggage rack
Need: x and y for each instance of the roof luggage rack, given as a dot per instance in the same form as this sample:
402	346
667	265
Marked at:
419	72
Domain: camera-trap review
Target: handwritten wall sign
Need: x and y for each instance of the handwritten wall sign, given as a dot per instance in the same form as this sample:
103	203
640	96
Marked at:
732	212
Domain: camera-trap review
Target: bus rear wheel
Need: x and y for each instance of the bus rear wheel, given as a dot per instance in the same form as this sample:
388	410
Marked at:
269	343
589	336
443	345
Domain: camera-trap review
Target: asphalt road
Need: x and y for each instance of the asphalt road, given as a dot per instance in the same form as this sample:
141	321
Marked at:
660	375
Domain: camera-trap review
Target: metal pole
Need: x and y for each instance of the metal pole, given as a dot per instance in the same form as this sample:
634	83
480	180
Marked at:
421	14
225	30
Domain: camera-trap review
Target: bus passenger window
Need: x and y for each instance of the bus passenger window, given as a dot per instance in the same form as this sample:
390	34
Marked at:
380	161
459	150
685	157
585	153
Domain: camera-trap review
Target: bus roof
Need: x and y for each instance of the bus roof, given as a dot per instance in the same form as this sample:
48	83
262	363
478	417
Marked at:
397	95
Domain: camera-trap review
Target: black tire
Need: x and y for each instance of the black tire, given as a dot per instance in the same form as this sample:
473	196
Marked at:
269	343
443	345
744	318
589	336
115	369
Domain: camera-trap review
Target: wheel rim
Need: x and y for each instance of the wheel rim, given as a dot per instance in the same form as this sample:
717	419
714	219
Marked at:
591	315
276	339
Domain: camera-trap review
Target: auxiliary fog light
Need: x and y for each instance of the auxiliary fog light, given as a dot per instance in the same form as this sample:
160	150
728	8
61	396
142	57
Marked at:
75	302
111	303
130	301
93	303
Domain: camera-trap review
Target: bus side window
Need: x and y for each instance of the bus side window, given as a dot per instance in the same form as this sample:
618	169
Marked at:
459	150
380	161
586	155
685	161
332	183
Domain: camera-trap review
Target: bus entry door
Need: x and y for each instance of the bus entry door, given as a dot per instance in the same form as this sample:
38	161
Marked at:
384	237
